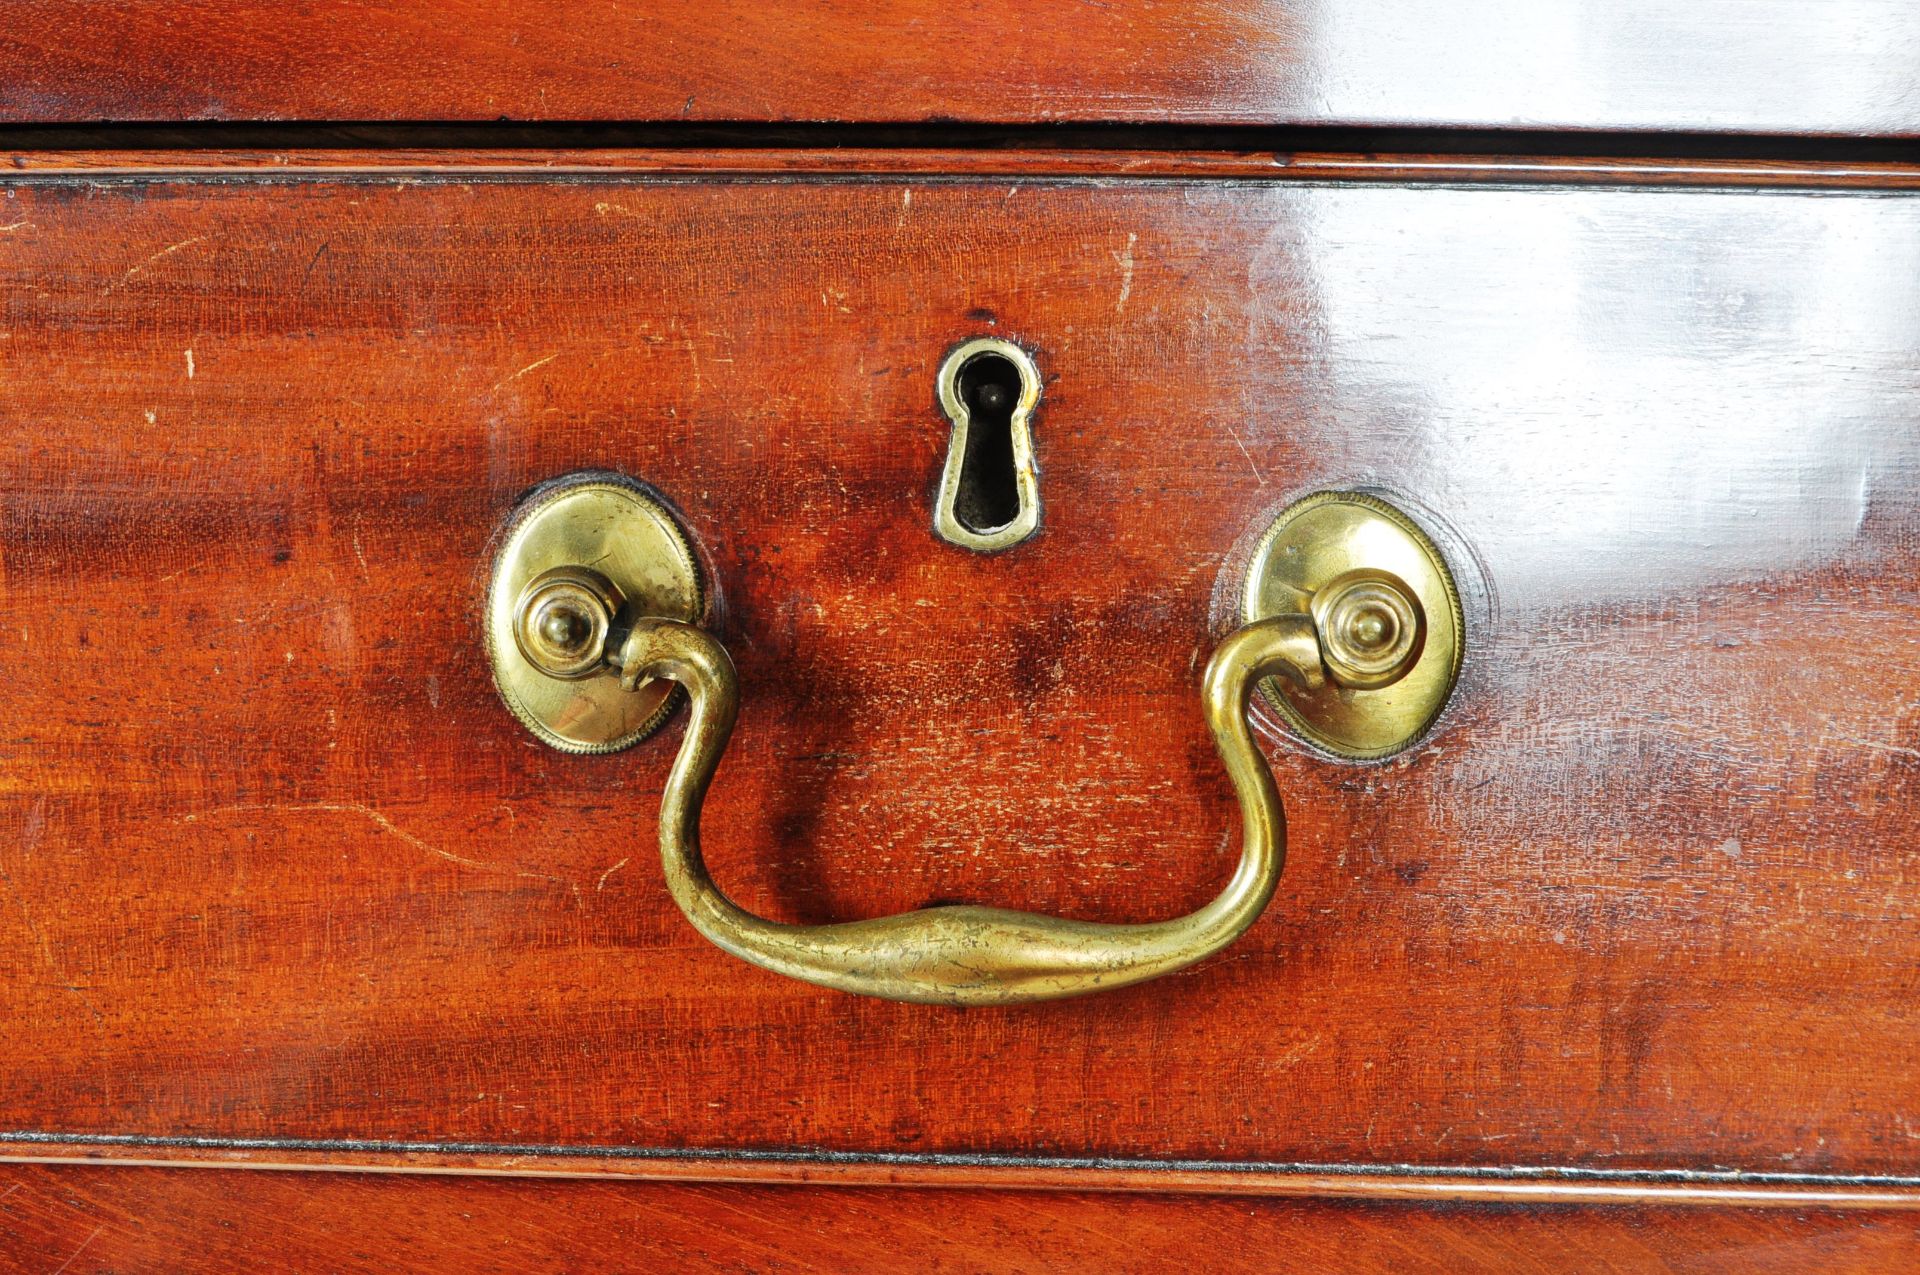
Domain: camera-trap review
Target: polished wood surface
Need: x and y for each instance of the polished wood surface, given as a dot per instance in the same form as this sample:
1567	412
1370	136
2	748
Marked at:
96	1220
277	864
1023	161
1664	1190
1758	66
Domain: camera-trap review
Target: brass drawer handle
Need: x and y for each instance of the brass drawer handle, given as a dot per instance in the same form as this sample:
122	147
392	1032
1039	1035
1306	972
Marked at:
1346	600
965	955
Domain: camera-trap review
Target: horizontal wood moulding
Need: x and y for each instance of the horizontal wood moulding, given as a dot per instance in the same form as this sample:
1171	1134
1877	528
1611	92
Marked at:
1382	1184
1100	164
1771	66
276	865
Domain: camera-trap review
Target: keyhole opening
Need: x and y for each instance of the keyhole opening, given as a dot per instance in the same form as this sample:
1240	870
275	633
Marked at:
988	497
989	493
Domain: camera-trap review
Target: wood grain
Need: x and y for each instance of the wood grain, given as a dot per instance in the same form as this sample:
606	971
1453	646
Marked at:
1406	1184
1044	162
147	1219
1758	66
274	862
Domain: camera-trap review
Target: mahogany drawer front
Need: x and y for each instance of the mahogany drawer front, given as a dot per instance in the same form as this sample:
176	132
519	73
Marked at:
1749	66
117	1219
279	866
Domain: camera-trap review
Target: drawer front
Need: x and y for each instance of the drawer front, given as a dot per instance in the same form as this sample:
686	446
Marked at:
278	864
494	1226
1744	66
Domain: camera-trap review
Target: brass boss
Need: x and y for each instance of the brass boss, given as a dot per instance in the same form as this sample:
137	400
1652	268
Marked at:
1371	627
1384	608
562	621
580	561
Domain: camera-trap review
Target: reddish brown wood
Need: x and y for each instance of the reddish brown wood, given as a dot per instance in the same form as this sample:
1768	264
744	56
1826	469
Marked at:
1045	162
148	1219
274	862
1709	65
1376	1184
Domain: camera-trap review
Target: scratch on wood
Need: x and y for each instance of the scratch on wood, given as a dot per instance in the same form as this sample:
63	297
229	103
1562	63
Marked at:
378	820
314	260
140	269
360	554
1295	1053
507	380
1124	260
78	1251
693	356
1874	745
602	883
1257	475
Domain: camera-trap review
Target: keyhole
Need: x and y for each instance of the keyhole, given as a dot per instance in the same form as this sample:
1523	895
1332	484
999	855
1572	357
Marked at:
989	493
986	500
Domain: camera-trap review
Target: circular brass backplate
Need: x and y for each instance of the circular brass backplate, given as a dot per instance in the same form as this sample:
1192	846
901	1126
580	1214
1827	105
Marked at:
614	527
1327	539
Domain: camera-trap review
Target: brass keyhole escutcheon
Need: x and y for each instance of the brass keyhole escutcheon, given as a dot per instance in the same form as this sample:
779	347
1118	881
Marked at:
989	494
1386	612
582	560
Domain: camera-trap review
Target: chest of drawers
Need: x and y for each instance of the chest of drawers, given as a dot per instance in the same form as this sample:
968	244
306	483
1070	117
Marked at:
1613	963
